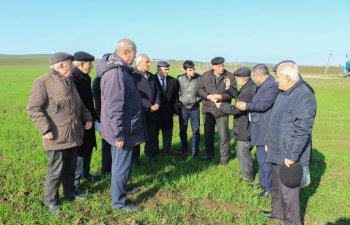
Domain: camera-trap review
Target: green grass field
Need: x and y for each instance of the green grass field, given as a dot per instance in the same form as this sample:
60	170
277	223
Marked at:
172	190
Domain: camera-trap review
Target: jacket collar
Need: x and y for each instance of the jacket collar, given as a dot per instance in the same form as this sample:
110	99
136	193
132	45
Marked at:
269	78
299	82
80	74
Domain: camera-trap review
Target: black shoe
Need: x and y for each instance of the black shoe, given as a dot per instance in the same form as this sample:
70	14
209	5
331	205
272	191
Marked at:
130	208
266	214
92	177
54	208
264	194
208	158
78	197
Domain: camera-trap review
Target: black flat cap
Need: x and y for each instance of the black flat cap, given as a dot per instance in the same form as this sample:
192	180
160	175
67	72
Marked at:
59	57
274	69
242	72
217	60
84	57
291	176
163	64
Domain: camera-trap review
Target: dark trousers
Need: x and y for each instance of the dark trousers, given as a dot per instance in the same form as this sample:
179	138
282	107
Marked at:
193	116
106	157
209	131
265	174
285	201
83	163
245	159
61	167
151	142
121	160
167	133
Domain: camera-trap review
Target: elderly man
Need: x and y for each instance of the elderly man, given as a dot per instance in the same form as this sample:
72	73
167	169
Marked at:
259	109
289	139
241	124
189	107
82	81
58	112
121	117
150	98
169	90
212	88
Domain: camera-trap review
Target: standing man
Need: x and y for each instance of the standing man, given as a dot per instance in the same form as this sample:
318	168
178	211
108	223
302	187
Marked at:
289	139
169	105
96	91
121	117
58	112
241	124
212	89
189	107
150	98
259	109
82	81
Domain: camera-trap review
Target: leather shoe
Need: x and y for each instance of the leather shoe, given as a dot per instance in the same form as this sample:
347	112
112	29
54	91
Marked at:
264	194
92	177
78	197
54	208
266	214
131	208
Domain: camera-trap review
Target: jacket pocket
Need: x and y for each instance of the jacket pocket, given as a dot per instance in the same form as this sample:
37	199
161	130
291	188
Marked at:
64	132
136	125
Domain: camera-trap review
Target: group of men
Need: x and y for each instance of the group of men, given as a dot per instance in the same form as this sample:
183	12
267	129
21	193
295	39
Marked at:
132	106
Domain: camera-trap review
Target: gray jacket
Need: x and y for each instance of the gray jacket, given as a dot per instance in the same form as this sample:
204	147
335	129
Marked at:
188	97
290	127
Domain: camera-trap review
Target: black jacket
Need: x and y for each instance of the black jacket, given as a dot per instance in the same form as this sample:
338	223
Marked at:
169	101
241	124
209	85
188	97
82	82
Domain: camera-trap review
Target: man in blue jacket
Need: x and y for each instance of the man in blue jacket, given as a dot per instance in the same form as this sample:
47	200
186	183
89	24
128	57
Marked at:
121	117
259	109
289	138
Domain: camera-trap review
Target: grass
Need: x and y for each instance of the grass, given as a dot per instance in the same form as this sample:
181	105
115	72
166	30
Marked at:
172	190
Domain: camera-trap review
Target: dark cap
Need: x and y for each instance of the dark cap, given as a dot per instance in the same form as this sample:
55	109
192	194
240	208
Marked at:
84	57
242	72
217	60
163	64
59	57
274	69
291	176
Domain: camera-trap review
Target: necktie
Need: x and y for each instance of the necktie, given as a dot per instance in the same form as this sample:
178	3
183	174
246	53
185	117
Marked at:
162	83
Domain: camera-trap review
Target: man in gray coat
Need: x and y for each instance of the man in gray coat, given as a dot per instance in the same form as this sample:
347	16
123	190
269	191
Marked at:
289	139
122	117
58	112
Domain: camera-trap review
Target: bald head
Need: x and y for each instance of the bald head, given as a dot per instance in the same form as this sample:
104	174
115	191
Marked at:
126	49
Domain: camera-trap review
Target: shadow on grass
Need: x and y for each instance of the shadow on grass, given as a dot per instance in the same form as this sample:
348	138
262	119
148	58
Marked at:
317	170
340	221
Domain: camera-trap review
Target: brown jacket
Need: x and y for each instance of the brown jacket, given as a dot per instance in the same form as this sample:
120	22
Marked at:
54	106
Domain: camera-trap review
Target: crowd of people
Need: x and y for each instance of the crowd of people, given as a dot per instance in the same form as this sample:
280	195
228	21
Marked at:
130	106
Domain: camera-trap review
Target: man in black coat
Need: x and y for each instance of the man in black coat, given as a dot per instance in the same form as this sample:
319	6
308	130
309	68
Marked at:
82	80
150	98
212	88
241	124
169	91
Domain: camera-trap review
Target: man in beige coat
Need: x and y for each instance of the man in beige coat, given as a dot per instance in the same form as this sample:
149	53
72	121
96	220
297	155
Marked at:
57	111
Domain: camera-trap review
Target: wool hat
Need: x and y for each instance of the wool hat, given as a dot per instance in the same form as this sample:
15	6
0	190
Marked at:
84	57
59	57
242	72
163	64
291	176
217	60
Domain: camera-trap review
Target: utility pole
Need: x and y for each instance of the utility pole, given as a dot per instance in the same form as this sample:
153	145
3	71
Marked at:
329	59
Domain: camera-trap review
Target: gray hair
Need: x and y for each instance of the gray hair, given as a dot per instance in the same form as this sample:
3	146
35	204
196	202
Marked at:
125	44
289	69
77	63
260	69
55	66
138	59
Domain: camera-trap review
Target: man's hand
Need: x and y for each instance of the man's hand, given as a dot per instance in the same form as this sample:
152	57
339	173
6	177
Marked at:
227	82
288	162
241	106
266	148
154	107
119	144
88	125
217	104
217	97
48	136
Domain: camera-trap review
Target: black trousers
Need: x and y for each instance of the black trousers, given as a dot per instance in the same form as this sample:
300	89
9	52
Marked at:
285	201
106	157
150	144
61	168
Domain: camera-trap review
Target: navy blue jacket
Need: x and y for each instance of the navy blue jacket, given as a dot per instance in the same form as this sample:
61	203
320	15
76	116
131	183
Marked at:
292	119
260	110
121	108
